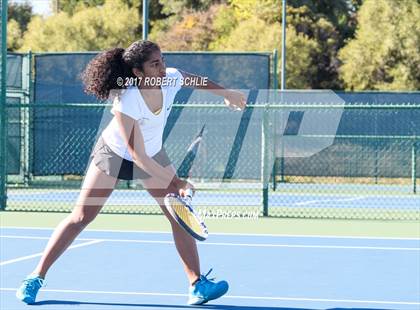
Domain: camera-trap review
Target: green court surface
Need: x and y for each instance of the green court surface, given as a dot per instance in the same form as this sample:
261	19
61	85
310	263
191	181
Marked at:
362	228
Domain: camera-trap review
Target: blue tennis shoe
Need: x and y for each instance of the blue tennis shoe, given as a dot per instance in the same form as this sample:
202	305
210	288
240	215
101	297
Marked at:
206	289
29	289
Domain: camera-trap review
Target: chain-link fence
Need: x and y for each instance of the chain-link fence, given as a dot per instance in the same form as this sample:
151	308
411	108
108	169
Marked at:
291	154
355	177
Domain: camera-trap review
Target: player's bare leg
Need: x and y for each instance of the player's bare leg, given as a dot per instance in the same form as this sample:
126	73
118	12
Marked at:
185	244
96	189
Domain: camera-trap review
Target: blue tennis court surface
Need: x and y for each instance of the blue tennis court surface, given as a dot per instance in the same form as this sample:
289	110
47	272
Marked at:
141	270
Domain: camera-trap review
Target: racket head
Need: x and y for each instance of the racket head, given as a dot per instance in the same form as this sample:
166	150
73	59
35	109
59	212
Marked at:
184	214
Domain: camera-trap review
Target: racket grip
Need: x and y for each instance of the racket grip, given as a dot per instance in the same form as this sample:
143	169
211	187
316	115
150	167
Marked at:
189	192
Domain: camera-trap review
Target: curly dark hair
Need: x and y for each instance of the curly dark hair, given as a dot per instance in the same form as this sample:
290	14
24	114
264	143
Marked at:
102	72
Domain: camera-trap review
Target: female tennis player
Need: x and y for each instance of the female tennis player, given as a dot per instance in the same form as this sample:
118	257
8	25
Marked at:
130	147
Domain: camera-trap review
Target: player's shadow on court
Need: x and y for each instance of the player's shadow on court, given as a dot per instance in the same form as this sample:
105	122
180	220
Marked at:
209	306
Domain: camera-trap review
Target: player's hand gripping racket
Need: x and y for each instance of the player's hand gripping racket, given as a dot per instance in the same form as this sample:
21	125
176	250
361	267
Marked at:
181	208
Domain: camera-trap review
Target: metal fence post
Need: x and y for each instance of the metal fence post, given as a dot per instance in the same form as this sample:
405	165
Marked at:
3	108
145	19
414	164
283	77
265	169
275	87
31	106
27	122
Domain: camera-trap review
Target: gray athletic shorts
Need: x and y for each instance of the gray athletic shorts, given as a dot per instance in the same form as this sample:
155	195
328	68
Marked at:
114	165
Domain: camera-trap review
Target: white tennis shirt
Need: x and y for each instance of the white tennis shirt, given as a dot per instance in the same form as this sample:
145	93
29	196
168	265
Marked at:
132	104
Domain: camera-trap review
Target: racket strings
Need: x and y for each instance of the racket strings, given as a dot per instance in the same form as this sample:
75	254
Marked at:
185	215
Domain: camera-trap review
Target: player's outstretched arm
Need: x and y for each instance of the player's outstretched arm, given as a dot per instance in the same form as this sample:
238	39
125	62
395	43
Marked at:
234	99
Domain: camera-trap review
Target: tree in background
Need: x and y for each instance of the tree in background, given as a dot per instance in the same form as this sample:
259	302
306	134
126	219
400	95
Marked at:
88	29
316	31
14	35
192	30
72	6
385	54
21	13
186	25
321	34
176	7
18	18
156	9
312	39
340	13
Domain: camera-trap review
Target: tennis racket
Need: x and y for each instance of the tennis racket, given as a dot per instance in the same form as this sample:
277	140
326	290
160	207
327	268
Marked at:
181	208
184	214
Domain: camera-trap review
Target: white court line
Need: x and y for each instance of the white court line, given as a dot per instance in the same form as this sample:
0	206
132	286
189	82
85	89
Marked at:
232	244
309	202
231	296
11	261
224	234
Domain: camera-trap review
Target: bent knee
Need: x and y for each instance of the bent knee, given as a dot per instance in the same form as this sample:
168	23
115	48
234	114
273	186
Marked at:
82	218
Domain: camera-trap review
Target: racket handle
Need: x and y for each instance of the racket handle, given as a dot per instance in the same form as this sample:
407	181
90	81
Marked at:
189	192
